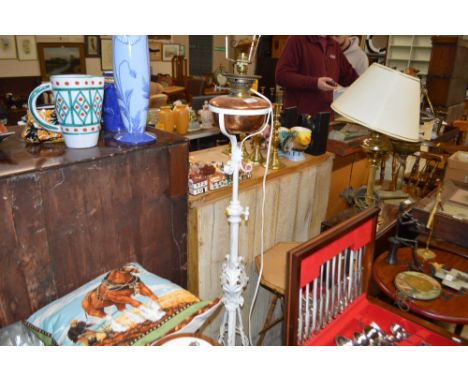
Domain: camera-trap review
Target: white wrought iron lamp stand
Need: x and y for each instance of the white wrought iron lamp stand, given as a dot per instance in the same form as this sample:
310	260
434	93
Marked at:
233	277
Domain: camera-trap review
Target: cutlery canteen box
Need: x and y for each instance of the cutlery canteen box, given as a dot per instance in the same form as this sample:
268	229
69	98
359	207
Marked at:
326	290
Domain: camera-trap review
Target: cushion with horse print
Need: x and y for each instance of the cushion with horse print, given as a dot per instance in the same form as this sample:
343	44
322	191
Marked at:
126	306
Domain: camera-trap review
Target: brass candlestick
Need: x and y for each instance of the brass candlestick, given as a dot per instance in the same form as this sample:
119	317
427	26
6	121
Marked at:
245	153
426	253
256	156
274	162
227	150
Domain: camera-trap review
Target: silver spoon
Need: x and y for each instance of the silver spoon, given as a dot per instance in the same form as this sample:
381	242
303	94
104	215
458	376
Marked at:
360	339
399	332
343	341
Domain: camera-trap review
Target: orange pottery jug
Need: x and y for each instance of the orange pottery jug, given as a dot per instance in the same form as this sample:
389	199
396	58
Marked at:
166	118
182	117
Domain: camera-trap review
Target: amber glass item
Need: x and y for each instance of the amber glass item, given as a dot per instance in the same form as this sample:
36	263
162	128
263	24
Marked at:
166	118
181	118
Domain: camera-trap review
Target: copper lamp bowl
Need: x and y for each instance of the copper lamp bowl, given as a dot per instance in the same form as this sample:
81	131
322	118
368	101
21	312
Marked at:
240	99
237	124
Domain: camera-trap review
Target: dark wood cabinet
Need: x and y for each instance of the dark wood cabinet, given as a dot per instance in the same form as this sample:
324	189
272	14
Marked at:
448	70
69	215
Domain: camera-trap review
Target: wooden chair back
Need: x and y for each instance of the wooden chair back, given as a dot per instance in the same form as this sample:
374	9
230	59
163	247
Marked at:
427	171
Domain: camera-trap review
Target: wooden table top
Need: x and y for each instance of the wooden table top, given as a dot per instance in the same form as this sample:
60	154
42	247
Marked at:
17	156
450	306
169	90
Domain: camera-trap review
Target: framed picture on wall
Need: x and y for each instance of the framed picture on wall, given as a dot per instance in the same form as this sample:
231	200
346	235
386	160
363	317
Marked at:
155	50
169	51
92	46
7	47
61	58
106	54
26	46
166	38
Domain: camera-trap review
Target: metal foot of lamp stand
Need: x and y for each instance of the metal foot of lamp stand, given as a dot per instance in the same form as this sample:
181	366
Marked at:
233	277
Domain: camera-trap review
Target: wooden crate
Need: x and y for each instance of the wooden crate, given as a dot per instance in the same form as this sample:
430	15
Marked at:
69	215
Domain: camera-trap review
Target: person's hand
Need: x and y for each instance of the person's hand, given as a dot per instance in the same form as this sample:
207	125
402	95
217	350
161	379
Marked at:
326	84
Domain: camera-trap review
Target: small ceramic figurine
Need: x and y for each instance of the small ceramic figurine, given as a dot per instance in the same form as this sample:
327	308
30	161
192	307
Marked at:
193	122
296	138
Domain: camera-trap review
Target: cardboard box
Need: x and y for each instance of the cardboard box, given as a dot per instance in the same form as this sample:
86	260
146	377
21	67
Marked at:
457	167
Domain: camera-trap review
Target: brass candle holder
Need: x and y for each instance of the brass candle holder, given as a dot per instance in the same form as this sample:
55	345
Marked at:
256	156
245	153
274	162
227	150
426	253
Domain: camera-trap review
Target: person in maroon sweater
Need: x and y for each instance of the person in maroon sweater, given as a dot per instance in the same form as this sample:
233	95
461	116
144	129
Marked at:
309	68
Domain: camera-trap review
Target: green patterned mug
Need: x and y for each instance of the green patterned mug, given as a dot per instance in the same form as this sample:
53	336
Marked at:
78	106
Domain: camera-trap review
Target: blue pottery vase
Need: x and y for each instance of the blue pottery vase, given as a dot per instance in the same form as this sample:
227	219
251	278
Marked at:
132	81
112	121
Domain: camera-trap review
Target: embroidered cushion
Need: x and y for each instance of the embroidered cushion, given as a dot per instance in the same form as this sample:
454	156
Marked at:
126	306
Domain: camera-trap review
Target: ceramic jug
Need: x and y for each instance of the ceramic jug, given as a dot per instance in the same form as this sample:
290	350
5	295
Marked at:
78	106
166	119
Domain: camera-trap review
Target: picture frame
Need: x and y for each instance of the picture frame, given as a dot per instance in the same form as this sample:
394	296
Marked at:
7	47
92	46
106	54
26	47
169	51
161	38
155	50
61	58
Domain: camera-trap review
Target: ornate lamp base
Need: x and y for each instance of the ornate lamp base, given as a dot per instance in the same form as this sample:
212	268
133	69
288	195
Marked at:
233	279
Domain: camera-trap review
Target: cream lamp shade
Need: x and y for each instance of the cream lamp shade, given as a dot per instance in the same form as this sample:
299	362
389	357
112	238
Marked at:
383	100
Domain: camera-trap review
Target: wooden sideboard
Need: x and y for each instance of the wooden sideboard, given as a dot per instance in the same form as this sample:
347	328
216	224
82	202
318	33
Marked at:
69	215
296	204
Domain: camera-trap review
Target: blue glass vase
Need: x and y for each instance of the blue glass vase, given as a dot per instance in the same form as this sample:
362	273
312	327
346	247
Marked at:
112	121
132	82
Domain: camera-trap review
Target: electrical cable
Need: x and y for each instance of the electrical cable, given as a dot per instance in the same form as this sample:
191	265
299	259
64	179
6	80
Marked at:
260	272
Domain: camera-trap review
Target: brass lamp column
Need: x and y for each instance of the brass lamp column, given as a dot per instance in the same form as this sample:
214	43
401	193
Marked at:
376	147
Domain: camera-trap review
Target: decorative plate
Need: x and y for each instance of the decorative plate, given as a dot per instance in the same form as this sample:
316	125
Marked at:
418	286
6	135
186	339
